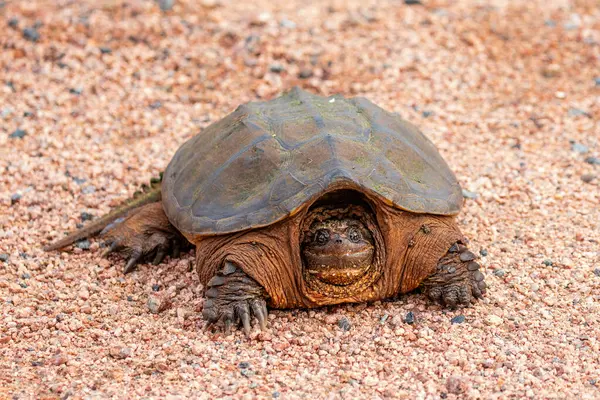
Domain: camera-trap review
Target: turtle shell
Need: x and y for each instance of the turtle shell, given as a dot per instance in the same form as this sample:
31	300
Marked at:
265	160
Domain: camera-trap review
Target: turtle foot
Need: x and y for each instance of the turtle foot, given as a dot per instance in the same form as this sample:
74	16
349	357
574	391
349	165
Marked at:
458	280
146	235
232	298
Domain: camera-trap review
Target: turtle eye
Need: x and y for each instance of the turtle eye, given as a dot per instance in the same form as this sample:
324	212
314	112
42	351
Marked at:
322	236
354	235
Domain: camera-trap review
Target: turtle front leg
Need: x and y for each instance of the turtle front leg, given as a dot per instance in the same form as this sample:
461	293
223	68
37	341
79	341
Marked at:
232	297
146	234
457	281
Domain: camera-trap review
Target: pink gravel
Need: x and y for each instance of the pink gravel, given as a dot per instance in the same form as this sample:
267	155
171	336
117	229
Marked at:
508	91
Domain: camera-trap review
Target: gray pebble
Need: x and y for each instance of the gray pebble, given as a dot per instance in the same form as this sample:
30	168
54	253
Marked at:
165	5
13	22
60	317
409	318
597	272
499	273
305	74
83	244
105	50
76	91
88	189
18	134
576	112
244	365
25	276
593	160
597	81
579	148
459	319
286	23
467	194
344	324
15	198
4	257
587	178
412	2
483	252
86	216
547	263
31	34
277	68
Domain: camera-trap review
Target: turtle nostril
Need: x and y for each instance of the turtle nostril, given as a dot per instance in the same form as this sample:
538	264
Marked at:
338	239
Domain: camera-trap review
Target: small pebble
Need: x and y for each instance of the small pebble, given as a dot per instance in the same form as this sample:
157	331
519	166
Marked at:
244	365
59	359
597	272
456	385
409	318
576	112
305	74
483	252
459	319
499	273
587	178
31	34
593	160
15	198
155	287
4	257
25	275
467	194
156	304
597	81
13	22
60	317
83	244
494	320
277	68
120	353
412	2
76	91
85	216
344	324
105	50
88	189
165	5
155	105
547	263
579	148
18	134
427	114
275	395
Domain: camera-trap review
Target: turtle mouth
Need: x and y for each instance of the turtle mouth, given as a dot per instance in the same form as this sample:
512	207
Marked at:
336	269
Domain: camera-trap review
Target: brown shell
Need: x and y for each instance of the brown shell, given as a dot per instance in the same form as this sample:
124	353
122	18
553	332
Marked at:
262	162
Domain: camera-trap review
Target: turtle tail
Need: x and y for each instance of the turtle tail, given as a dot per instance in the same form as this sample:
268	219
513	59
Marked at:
148	194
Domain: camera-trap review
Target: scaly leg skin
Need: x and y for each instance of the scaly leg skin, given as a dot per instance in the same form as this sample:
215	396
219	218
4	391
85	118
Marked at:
458	281
232	297
145	234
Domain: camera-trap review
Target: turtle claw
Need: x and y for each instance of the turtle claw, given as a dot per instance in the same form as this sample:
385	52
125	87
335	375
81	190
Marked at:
232	297
144	235
131	263
458	280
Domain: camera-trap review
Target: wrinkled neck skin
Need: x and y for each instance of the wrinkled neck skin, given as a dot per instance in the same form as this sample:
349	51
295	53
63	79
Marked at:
338	250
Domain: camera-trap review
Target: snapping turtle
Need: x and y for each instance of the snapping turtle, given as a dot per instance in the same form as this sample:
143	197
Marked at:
304	201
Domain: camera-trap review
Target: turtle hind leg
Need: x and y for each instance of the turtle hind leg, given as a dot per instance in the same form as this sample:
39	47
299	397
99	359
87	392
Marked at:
145	235
458	280
232	297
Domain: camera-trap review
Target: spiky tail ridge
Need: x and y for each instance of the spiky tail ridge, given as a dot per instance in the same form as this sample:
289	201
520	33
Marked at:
149	194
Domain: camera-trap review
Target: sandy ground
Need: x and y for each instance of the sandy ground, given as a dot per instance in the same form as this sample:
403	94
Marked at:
95	97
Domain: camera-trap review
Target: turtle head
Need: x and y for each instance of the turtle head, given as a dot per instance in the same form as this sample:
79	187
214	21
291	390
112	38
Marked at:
338	251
